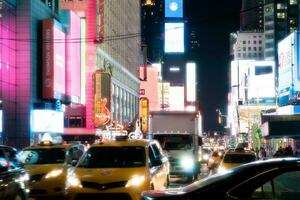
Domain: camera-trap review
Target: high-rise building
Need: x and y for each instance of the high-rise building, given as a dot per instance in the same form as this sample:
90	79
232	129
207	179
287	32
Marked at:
152	15
280	19
113	31
251	17
247	45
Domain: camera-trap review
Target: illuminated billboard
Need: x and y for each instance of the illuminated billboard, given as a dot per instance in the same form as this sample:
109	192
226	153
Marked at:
288	68
174	37
102	98
191	82
73	55
50	121
176	98
144	110
53	60
1	121
174	8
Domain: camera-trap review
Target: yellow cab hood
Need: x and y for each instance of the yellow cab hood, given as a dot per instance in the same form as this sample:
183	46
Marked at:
105	175
42	169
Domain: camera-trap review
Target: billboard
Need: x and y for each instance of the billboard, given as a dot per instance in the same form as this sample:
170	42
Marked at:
288	69
50	121
174	37
53	60
1	125
72	23
102	98
174	8
261	73
144	110
191	82
164	95
177	98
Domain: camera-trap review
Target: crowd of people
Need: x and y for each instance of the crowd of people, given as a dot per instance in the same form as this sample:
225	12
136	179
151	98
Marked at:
286	152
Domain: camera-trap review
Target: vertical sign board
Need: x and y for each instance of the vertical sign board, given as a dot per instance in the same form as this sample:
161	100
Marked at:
144	110
102	99
100	21
53	60
174	8
288	79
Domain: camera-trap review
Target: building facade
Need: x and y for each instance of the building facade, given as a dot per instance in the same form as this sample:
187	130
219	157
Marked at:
21	69
280	19
251	17
248	45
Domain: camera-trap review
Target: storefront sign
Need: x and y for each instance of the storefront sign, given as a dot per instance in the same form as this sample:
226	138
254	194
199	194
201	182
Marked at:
102	86
144	110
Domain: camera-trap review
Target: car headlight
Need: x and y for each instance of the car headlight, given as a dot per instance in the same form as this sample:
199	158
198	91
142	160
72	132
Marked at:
73	181
135	181
187	163
54	173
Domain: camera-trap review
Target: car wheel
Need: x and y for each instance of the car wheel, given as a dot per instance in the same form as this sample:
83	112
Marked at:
19	196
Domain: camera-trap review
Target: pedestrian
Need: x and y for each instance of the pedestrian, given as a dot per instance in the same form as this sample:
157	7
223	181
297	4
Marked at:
213	163
262	153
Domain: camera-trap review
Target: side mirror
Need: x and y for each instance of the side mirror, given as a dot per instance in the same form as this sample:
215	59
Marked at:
74	163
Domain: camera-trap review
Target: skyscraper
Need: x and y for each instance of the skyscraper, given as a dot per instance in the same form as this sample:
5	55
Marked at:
251	17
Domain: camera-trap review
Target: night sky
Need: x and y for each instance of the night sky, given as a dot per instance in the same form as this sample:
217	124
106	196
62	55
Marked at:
214	20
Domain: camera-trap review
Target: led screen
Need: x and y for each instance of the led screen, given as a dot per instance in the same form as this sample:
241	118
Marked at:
174	37
0	121
47	121
191	82
174	8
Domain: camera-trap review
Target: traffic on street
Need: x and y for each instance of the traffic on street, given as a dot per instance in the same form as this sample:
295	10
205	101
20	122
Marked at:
149	99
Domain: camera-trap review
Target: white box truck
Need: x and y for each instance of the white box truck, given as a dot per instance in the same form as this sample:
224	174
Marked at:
179	136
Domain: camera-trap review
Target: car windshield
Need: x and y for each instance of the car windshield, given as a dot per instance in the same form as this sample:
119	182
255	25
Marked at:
114	157
239	158
42	156
174	142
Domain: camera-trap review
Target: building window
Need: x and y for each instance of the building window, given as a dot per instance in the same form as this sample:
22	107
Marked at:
249	55
260	48
254	48
254	42
255	54
249	48
293	2
281	6
281	15
244	48
244	42
239	55
244	55
259	42
249	42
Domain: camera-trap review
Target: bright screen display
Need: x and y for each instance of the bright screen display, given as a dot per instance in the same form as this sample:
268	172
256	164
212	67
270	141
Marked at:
174	8
47	121
1	121
174	37
191	82
59	60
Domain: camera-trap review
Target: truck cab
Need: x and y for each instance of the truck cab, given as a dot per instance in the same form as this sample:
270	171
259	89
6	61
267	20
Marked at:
180	149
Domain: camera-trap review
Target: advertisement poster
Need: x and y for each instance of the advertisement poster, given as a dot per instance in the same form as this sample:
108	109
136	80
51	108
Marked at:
144	110
102	100
53	60
164	96
285	62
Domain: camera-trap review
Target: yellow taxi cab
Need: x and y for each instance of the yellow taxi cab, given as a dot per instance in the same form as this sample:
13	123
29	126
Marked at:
47	165
118	169
235	158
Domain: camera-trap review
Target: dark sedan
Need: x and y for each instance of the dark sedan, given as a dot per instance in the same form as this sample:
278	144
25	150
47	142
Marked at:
270	179
13	180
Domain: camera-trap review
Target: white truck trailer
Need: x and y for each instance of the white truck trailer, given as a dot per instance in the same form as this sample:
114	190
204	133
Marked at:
179	134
